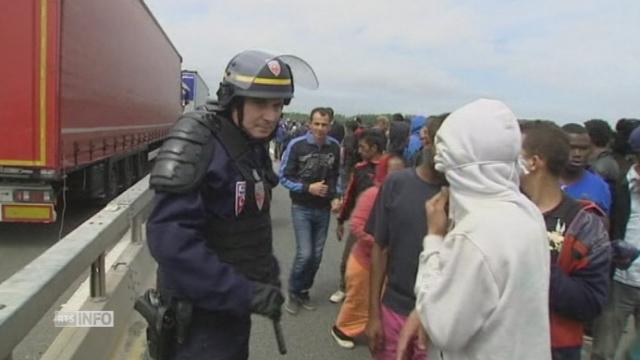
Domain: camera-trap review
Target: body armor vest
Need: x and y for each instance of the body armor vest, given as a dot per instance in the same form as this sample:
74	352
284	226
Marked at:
245	240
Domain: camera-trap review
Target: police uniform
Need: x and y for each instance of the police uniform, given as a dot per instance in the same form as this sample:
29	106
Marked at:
210	227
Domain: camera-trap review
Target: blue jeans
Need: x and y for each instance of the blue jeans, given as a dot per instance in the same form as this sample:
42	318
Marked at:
310	226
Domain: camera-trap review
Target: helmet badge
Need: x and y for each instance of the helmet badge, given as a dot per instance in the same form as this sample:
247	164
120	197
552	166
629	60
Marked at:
274	66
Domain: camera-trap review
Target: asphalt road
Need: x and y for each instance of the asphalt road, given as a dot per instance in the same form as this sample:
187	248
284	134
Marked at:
21	243
307	334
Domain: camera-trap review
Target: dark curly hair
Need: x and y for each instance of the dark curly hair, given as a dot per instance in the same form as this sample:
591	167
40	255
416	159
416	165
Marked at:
374	137
624	127
599	131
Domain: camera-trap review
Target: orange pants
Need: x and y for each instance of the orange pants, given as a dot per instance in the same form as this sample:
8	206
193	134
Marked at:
354	313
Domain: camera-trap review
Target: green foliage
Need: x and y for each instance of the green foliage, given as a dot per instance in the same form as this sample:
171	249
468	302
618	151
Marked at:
367	119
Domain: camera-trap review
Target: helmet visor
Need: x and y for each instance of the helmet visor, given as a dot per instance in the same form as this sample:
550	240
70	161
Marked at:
246	68
303	73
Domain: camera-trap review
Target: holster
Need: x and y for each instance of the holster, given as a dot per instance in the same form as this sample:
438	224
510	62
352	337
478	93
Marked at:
162	324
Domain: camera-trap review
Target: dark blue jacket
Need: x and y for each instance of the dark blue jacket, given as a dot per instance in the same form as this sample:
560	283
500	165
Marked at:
176	233
579	280
305	162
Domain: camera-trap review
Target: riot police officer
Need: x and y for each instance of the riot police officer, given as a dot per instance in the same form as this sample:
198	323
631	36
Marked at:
210	227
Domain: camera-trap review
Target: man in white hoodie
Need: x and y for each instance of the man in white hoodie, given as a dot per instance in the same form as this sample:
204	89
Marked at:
482	287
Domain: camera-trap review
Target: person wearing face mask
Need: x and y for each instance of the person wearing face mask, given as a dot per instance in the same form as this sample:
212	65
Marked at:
482	289
578	240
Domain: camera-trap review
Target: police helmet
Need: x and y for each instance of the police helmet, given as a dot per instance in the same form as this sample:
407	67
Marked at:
259	74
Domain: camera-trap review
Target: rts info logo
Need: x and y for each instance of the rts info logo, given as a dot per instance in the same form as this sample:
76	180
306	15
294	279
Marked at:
83	319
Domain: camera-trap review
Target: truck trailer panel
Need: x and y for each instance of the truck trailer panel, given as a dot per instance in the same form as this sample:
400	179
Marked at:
88	87
76	86
120	79
29	35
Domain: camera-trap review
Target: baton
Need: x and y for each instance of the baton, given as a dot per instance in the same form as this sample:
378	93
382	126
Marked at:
282	347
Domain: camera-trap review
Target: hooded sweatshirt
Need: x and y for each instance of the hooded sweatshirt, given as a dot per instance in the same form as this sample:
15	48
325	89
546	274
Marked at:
482	290
415	144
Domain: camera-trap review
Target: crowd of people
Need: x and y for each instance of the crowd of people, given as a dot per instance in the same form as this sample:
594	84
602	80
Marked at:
471	235
526	245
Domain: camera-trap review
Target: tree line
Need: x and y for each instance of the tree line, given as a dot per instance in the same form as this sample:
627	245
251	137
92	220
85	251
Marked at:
367	119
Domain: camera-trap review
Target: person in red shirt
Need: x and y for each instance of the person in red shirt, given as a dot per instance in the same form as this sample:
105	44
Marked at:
354	313
370	147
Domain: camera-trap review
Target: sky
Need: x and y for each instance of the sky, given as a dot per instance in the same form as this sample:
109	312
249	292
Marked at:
567	61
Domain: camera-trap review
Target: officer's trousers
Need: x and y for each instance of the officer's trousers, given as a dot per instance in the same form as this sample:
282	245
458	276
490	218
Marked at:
216	336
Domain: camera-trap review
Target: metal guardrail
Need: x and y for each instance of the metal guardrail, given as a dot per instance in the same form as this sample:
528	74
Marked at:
27	295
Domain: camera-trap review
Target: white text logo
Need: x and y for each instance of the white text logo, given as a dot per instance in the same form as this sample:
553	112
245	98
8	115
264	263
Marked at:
83	319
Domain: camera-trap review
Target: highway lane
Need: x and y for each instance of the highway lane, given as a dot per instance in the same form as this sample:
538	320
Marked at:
307	334
21	243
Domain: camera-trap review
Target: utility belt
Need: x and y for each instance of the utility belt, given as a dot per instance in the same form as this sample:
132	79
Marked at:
168	322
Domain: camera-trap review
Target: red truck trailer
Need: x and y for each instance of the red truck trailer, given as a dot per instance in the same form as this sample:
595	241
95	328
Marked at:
87	89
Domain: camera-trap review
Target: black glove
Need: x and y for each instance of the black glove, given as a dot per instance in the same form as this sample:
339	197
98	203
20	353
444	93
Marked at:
267	300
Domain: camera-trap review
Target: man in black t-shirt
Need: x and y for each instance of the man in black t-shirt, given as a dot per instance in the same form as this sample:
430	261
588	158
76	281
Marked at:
398	224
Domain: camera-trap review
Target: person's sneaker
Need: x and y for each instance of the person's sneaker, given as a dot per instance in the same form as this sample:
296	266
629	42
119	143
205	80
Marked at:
337	297
341	339
293	305
305	301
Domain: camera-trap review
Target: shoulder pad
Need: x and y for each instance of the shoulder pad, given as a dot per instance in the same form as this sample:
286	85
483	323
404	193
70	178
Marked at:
210	106
184	156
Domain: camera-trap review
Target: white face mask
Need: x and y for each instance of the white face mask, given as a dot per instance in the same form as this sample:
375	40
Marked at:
438	162
522	166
